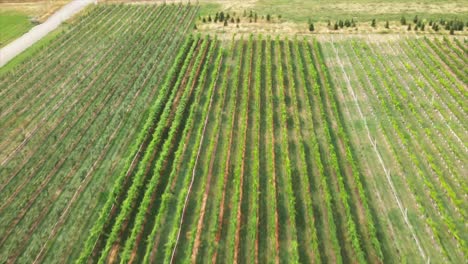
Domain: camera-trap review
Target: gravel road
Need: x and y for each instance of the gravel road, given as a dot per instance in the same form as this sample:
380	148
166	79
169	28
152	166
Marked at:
36	33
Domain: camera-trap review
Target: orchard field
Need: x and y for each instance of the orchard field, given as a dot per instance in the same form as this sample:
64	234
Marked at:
129	138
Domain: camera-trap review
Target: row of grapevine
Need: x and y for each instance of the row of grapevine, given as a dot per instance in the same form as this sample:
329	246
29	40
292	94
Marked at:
50	108
350	156
84	127
136	84
313	92
24	183
448	58
336	166
140	146
422	164
303	204
226	159
429	144
288	197
303	200
273	222
403	137
247	230
158	142
190	208
213	182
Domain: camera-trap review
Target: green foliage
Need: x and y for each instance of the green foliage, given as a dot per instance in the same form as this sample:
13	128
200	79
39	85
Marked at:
311	27
403	21
294	257
13	24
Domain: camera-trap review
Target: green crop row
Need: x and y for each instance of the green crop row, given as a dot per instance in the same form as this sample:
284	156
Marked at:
319	161
404	137
156	112
303	170
197	149
173	238
344	196
291	202
272	181
158	138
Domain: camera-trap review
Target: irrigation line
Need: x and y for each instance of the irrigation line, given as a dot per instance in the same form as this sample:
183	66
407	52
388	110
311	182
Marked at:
193	171
374	145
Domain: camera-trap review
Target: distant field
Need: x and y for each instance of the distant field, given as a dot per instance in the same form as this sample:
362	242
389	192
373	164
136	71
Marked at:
13	24
362	10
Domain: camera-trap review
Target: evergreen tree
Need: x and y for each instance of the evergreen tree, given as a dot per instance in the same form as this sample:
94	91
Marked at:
403	20
347	23
335	27
409	27
387	25
311	27
415	19
209	18
255	17
373	23
225	23
268	17
204	20
238	20
340	23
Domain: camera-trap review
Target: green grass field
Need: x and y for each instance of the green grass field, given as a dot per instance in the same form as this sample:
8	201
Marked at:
13	24
360	10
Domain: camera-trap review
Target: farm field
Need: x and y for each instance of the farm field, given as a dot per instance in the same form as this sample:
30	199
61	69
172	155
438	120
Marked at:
267	160
132	138
64	136
322	10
